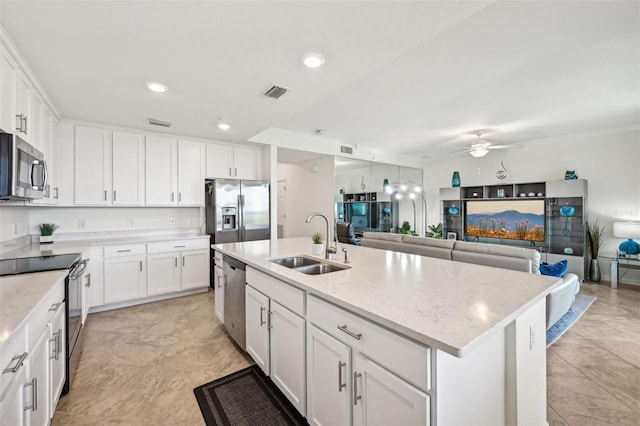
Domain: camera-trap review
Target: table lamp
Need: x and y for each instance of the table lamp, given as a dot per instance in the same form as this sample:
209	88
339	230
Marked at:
628	230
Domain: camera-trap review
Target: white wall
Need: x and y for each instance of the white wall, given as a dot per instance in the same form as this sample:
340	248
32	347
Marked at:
106	219
14	222
610	163
308	191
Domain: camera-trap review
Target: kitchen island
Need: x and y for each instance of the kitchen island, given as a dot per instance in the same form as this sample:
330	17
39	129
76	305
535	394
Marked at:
482	328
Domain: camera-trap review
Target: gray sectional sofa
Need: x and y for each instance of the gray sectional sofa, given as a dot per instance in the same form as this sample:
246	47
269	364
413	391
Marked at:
506	257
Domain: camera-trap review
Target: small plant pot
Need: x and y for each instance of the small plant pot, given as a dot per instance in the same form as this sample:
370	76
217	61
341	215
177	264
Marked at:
46	239
317	249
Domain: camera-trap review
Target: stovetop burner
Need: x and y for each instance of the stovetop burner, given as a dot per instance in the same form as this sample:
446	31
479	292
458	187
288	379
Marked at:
24	265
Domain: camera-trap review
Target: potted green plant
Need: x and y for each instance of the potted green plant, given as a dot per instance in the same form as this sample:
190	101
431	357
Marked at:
595	233
318	243
435	231
46	232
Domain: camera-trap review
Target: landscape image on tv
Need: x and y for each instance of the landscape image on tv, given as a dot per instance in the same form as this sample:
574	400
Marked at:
509	219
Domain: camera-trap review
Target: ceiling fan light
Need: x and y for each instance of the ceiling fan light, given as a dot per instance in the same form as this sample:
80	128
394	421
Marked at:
479	152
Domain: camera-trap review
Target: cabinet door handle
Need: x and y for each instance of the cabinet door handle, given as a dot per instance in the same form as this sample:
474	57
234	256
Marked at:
179	197
87	284
34	394
25	125
356	397
175	262
141	266
56	342
262	321
270	319
59	341
235	170
340	384
219	281
114	195
56	189
229	171
55	306
172	197
105	195
182	260
19	360
349	332
19	126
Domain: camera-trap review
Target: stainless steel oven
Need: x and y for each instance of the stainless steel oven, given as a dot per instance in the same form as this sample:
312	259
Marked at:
23	171
76	315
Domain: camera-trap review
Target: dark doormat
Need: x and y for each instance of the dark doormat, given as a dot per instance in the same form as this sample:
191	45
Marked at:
246	397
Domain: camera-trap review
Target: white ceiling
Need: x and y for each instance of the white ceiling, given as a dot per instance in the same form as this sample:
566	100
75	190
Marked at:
417	78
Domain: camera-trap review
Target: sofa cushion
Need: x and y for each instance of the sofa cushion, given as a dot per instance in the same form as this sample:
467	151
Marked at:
431	247
532	256
384	244
557	269
386	236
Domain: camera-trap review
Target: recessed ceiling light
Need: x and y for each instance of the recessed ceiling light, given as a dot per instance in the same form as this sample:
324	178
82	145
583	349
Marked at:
222	125
156	87
312	60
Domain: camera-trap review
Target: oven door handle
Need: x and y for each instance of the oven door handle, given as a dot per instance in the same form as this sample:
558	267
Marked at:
79	269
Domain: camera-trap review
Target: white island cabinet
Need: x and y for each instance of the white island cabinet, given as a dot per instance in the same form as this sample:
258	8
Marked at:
276	333
398	338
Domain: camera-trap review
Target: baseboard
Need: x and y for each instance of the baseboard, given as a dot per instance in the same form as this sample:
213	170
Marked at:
128	303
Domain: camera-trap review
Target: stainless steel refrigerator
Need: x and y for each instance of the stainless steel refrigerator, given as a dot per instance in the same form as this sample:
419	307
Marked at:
237	210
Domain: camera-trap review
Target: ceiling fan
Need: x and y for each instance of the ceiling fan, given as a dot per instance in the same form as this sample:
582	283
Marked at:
481	147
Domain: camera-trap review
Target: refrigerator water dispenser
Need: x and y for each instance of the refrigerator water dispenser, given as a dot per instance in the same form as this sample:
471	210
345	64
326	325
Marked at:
228	218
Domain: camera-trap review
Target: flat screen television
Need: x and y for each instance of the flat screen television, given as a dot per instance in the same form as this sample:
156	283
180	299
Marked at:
516	219
359	209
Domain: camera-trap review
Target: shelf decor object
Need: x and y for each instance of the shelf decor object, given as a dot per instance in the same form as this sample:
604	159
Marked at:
567	211
595	232
455	179
46	232
318	243
629	230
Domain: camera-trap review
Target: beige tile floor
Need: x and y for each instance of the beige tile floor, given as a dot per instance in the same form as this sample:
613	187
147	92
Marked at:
140	364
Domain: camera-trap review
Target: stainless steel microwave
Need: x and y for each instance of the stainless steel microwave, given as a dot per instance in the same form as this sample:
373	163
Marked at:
23	171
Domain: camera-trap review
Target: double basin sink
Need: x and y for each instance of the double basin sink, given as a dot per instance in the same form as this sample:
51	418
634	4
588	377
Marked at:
308	265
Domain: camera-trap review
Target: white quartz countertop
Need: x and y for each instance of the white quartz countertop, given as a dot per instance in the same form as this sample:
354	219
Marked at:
20	295
82	246
447	305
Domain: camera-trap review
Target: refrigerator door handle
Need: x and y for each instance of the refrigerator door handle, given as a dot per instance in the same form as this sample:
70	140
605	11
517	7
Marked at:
241	216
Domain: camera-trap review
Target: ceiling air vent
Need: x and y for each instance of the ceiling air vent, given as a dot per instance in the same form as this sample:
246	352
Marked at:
274	92
346	149
160	123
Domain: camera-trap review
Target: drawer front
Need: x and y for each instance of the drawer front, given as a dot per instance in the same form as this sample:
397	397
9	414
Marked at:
10	356
44	313
218	257
178	245
406	358
124	250
287	295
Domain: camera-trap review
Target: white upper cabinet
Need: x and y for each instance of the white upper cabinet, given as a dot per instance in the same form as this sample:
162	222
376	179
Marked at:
190	177
231	163
160	171
174	172
23	106
128	169
36	121
8	85
92	166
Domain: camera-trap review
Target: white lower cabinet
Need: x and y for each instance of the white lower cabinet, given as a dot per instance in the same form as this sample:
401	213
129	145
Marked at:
38	383
329	401
124	273
12	410
381	398
359	373
219	284
164	273
195	269
276	342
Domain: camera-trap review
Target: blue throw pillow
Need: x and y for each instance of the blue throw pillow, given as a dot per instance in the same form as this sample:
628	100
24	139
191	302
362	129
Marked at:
554	269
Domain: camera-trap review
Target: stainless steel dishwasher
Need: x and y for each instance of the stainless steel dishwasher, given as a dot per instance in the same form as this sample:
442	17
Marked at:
234	300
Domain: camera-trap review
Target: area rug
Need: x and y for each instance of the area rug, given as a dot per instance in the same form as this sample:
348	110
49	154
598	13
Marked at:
578	307
246	397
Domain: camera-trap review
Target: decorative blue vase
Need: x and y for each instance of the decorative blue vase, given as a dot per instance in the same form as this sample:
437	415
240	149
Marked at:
567	211
385	184
629	247
387	210
455	180
454	210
